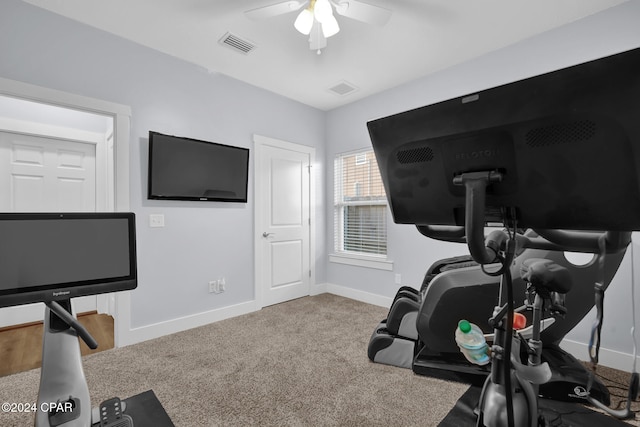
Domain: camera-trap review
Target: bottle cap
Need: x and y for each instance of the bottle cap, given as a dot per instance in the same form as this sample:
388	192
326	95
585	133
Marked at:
464	326
519	321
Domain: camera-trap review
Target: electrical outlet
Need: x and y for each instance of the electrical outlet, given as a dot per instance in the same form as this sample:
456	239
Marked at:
217	286
398	279
156	220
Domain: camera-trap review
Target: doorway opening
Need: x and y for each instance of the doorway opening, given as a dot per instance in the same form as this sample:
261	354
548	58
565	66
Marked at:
64	152
54	159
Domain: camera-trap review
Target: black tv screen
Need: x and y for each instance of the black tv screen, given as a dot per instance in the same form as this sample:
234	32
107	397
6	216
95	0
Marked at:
190	169
567	144
56	256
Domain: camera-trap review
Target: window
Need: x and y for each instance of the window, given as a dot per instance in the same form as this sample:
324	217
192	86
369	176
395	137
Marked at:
361	159
360	206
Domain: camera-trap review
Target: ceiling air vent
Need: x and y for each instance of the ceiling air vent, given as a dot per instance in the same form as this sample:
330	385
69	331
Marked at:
236	43
343	88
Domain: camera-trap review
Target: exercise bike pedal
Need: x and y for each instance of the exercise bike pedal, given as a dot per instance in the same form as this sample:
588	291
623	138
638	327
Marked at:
112	414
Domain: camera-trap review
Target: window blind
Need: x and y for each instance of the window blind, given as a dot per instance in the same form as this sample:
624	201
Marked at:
360	205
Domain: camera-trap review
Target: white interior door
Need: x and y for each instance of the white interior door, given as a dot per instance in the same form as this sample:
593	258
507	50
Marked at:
46	175
283	243
40	174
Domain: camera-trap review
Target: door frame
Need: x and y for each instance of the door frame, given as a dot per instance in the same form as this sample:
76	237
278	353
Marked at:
119	202
23	314
260	142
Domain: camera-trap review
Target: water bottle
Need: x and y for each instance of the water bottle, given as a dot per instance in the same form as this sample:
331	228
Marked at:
473	346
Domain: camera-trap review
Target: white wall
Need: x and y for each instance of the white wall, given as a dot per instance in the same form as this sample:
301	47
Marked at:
606	33
202	240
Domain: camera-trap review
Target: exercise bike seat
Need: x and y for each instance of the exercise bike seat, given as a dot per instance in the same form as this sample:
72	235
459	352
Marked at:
546	275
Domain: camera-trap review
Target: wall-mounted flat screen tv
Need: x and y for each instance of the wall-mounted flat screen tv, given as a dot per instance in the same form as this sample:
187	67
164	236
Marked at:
57	256
190	169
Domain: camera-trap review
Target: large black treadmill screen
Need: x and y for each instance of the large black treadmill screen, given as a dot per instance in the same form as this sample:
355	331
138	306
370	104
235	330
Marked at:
567	143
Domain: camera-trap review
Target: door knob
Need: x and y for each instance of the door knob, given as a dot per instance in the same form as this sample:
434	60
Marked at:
265	234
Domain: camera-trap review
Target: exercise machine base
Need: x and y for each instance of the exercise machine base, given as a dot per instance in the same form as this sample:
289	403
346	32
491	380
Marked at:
568	381
552	413
145	410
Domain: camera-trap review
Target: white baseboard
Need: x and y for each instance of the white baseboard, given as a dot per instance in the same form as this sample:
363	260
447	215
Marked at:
157	330
320	288
129	336
357	295
610	358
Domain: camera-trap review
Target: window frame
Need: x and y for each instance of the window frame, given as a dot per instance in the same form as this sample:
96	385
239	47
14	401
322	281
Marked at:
340	255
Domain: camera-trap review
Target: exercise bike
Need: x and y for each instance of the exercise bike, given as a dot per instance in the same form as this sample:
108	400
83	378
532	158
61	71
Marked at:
510	393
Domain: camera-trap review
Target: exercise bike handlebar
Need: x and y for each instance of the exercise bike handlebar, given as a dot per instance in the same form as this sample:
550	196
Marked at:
554	240
484	249
446	233
73	323
584	241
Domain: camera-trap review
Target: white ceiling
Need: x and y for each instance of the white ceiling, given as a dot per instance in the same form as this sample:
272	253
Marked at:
421	37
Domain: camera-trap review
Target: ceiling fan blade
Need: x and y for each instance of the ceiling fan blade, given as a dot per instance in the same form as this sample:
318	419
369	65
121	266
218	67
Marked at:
363	12
274	9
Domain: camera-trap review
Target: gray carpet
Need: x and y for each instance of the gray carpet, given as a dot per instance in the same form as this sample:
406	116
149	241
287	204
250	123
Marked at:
301	363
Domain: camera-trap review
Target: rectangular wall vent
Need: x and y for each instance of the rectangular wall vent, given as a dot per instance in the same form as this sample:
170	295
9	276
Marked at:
237	43
343	88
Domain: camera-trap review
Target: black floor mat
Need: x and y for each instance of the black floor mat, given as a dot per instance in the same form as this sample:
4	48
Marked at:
555	413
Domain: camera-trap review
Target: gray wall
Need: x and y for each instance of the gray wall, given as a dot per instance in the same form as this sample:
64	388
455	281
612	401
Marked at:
609	32
202	240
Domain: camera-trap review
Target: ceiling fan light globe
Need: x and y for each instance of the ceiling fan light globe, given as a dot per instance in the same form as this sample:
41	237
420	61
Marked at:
322	10
304	22
330	27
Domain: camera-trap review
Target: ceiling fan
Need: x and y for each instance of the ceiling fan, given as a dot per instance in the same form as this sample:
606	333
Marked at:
317	20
